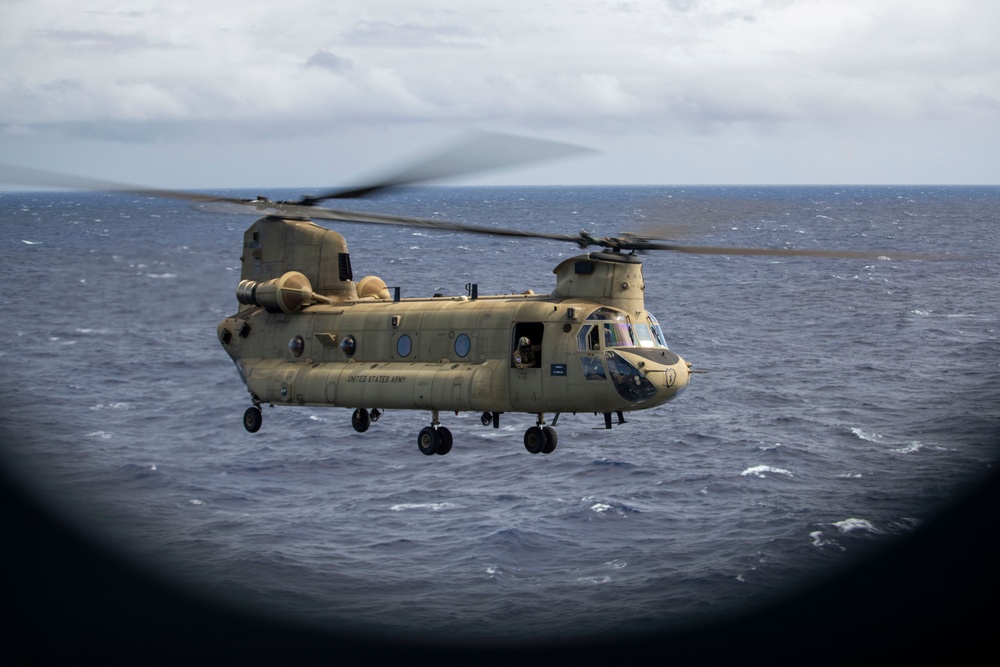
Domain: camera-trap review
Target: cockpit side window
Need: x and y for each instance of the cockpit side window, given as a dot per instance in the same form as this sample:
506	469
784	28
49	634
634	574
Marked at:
657	331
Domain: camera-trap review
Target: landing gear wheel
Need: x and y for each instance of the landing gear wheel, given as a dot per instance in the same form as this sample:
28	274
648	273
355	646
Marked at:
252	419
534	439
428	441
444	443
486	419
551	440
361	420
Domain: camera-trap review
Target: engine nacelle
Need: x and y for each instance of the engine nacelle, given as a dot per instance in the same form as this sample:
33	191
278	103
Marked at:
287	294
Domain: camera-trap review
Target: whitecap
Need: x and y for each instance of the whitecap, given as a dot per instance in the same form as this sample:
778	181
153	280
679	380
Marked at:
761	471
436	507
864	435
26	242
162	275
852	525
594	580
120	405
914	446
103	435
600	507
921	312
819	542
616	564
195	501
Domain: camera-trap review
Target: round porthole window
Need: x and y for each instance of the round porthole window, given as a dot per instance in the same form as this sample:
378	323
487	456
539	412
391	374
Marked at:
404	345
297	345
462	345
348	346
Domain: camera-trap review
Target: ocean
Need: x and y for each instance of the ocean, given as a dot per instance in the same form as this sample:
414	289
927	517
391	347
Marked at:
844	403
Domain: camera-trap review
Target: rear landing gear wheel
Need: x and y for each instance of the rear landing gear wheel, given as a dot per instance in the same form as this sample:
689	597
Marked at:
551	440
252	419
534	439
444	442
361	420
428	441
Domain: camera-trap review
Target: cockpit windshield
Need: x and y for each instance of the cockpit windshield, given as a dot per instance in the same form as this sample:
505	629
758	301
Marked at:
619	331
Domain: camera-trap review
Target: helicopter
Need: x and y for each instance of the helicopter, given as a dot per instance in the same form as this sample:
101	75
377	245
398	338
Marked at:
307	333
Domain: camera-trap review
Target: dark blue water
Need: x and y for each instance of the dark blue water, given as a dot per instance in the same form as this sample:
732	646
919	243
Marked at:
846	401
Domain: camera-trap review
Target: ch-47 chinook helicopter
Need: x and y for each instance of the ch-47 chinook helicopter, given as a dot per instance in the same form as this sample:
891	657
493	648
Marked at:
306	333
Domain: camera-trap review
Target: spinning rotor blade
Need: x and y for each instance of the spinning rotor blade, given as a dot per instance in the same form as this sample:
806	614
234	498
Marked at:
481	152
446	163
323	213
775	252
583	239
54	179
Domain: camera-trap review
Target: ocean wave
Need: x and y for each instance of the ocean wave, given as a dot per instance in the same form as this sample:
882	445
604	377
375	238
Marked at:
762	471
855	525
606	506
435	507
865	435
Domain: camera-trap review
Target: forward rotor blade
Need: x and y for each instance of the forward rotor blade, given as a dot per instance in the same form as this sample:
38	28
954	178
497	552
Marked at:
482	151
781	252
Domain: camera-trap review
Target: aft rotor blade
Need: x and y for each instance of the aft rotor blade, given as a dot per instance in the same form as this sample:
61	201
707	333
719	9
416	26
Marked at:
482	151
53	179
323	213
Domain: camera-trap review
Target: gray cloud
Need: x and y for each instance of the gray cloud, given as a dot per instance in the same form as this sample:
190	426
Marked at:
324	59
769	74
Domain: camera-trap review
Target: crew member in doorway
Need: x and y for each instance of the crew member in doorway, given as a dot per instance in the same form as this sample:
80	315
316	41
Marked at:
524	355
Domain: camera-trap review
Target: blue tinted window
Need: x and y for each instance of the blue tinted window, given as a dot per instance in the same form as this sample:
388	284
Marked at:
462	345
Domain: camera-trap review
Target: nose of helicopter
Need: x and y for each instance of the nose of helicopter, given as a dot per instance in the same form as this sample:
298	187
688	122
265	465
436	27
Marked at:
665	371
669	380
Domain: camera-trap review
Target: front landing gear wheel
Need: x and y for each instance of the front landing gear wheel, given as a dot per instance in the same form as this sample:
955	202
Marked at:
361	420
252	419
534	439
428	441
444	442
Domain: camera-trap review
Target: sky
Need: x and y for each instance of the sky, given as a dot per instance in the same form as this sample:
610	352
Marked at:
243	93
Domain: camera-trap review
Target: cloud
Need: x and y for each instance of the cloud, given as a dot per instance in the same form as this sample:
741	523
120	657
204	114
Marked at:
330	61
744	70
388	34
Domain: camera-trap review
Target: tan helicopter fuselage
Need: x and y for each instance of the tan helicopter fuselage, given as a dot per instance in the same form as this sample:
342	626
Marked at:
307	334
